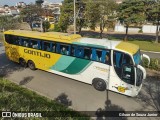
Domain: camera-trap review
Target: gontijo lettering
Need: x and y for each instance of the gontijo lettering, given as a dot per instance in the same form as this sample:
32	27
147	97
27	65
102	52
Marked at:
32	52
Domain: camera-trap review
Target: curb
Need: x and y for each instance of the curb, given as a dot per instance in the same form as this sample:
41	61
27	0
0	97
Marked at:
150	51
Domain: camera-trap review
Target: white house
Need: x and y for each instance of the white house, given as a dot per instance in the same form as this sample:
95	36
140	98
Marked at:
21	4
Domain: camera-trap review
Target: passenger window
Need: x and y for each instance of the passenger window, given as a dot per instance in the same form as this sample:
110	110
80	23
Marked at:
107	58
53	47
17	41
96	55
24	42
79	51
64	49
35	44
87	53
46	46
73	51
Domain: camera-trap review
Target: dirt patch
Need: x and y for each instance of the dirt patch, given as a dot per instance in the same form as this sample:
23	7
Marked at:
153	73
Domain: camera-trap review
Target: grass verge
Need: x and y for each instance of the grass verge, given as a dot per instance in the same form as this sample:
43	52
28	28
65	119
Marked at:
16	98
147	46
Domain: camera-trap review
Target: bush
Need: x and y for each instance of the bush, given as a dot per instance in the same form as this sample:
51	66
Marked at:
140	31
154	64
46	26
56	28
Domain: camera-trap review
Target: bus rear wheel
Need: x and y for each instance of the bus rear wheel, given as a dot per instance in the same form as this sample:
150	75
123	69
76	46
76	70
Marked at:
22	62
99	84
31	65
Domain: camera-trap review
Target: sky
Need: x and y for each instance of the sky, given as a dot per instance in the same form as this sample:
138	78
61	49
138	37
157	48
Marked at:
13	2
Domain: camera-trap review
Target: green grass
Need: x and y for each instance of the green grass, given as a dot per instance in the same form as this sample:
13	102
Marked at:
16	98
147	46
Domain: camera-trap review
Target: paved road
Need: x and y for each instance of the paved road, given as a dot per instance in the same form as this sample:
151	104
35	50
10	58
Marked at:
151	55
83	96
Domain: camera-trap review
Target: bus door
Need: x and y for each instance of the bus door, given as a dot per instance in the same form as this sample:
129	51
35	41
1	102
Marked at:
125	70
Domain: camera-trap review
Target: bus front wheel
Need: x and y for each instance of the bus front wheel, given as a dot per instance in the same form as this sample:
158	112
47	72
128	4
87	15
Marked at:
99	84
22	62
31	65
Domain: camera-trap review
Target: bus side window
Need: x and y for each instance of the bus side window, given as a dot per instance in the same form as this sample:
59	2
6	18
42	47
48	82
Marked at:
24	42
57	47
64	49
35	44
46	46
87	53
96	55
9	39
17	41
53	47
73	51
106	57
79	52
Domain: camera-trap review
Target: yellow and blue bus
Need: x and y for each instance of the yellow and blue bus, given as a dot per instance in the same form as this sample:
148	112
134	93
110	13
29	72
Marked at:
105	64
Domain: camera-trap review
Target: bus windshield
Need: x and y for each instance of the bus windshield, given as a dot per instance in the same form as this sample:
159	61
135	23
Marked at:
137	57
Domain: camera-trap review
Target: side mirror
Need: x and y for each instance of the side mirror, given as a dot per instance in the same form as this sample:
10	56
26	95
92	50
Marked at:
143	70
147	57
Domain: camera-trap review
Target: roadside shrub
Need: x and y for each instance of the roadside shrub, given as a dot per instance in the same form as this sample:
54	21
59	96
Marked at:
154	64
56	28
46	26
140	31
145	63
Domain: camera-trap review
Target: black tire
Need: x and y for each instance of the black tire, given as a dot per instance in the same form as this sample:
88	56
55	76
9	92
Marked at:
22	62
99	84
31	65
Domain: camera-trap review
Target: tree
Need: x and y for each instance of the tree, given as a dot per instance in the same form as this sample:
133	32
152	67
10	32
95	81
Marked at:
9	22
80	17
6	6
131	12
152	10
92	14
101	14
31	13
39	2
66	17
45	25
107	11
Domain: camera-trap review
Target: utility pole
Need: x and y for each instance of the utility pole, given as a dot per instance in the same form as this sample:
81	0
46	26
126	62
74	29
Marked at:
74	16
157	29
